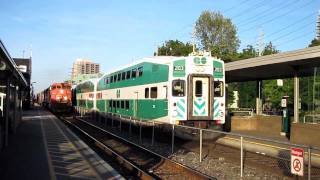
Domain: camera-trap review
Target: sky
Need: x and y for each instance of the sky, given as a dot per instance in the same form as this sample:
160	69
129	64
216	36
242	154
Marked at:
117	32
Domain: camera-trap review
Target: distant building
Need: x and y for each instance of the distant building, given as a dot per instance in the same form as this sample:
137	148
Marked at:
83	66
25	67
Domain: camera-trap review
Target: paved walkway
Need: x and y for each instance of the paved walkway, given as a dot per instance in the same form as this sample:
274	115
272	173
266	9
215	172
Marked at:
44	148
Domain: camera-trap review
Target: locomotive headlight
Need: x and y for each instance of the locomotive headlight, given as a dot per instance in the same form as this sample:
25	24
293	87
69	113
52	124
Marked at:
58	97
65	98
61	91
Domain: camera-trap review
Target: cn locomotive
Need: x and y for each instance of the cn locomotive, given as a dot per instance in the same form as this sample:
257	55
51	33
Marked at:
174	90
57	97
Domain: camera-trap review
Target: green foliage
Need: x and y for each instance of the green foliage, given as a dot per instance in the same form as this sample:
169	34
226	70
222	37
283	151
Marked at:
314	42
217	34
175	48
247	53
274	93
270	49
247	94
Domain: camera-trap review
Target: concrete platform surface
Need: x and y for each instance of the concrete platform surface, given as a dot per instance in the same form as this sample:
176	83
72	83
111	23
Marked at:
44	148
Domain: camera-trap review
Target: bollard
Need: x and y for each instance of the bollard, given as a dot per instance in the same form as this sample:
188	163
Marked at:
200	154
172	139
241	156
140	129
309	163
152	133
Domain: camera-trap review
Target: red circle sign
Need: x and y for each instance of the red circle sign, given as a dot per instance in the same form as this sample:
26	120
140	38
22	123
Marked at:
296	165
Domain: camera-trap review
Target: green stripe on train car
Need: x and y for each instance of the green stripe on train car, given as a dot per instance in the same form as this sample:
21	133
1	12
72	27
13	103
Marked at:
147	109
152	73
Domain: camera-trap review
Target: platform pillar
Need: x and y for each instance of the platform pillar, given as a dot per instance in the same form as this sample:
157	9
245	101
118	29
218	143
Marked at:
296	98
258	98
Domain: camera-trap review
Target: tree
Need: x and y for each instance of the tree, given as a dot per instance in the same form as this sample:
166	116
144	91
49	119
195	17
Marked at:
248	52
217	34
314	42
270	49
175	48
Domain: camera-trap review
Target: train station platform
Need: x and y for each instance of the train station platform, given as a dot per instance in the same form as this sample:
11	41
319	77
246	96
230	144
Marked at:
44	148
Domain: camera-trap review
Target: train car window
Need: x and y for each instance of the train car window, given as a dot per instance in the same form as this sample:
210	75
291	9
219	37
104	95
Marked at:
198	89
115	78
53	87
122	104
110	103
218	88
128	75
123	75
113	104
111	79
134	73
118	104
140	71
127	104
119	76
146	93
154	92
178	88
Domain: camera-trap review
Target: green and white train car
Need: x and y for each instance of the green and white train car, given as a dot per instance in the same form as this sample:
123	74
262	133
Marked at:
175	90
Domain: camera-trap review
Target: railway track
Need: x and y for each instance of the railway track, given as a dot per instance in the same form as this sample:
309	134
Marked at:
138	161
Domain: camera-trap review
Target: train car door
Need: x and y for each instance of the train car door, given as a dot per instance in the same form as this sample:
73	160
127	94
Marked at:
199	101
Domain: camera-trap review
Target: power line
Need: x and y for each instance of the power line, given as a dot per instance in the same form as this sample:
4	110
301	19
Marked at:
279	16
235	6
291	32
295	38
248	9
264	13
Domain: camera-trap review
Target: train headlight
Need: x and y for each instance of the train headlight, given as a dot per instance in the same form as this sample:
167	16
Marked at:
174	113
58	97
65	98
61	91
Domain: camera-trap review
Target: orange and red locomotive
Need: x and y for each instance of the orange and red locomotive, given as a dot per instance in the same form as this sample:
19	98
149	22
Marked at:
57	97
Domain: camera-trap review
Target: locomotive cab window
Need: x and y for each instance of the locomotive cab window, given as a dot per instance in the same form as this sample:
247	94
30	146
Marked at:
198	89
218	88
178	88
146	93
154	92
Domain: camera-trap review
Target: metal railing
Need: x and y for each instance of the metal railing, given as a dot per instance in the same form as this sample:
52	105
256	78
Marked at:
207	149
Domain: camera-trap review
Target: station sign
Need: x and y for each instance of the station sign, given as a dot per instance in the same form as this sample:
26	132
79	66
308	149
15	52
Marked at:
297	155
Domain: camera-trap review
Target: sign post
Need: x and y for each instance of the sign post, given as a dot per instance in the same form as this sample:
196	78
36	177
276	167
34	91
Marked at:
297	155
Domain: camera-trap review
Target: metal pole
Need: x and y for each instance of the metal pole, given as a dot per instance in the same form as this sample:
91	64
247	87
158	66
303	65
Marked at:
241	146
152	133
140	132
172	139
309	163
120	123
130	127
200	145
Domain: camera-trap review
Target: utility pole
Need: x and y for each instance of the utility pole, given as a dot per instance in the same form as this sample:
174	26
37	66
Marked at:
318	26
260	41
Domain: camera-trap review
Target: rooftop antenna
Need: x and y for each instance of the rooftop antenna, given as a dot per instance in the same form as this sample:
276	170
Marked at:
30	51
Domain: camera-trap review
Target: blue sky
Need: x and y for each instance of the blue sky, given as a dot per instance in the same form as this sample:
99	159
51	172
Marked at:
114	32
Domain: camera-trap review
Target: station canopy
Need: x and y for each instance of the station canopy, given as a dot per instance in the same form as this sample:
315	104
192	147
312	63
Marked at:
276	66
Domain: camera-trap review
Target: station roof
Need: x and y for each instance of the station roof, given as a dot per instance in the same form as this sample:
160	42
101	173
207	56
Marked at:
276	66
9	66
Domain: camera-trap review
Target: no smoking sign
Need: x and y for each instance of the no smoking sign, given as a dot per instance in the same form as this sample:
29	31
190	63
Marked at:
297	155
